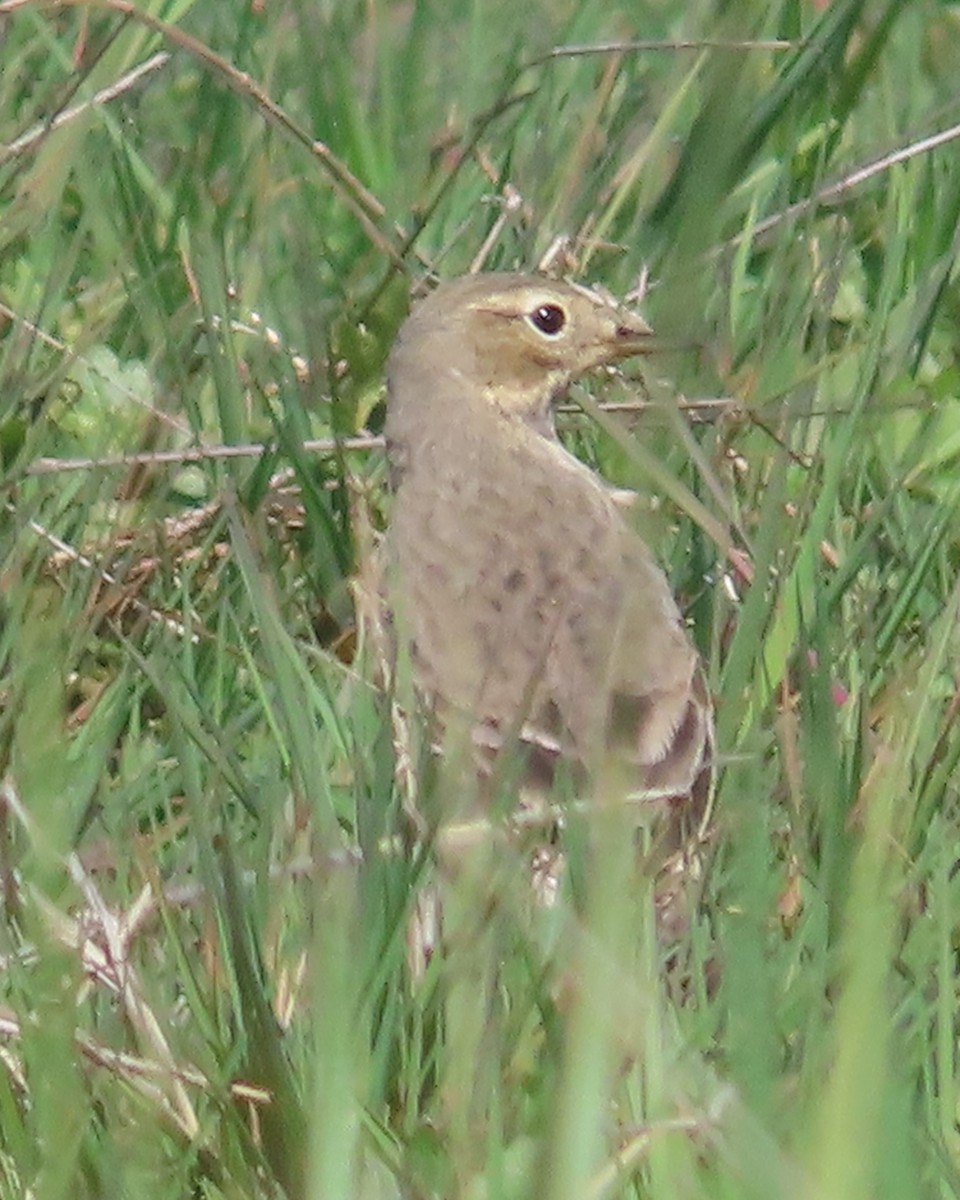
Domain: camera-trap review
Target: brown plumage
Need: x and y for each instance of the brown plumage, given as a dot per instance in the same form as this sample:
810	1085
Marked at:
527	608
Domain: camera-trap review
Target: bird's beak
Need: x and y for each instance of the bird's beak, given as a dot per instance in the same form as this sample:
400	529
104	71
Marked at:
631	335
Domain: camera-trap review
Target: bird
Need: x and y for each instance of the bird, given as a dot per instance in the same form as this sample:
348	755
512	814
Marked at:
529	613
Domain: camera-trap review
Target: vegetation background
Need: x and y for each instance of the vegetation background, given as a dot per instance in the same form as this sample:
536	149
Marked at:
210	219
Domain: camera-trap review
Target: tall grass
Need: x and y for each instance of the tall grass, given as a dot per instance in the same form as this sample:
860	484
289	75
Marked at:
212	216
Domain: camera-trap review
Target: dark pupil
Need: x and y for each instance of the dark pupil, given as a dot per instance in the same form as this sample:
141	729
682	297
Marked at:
549	318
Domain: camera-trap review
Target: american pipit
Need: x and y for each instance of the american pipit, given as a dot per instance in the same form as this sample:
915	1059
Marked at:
528	609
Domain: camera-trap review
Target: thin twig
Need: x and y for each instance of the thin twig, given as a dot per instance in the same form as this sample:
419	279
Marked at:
840	188
124	84
112	462
642	44
361	442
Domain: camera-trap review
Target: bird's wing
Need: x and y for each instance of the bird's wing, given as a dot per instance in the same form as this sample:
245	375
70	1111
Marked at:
661	710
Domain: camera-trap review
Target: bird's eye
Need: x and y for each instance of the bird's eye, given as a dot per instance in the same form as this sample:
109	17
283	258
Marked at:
549	319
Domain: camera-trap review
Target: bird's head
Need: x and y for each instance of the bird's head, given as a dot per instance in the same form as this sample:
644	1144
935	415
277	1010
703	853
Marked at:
515	341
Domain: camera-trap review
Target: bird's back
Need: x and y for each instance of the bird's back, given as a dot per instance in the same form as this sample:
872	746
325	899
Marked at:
528	605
